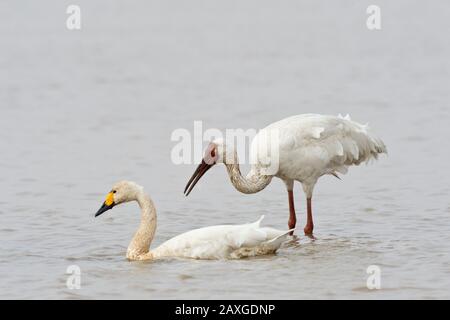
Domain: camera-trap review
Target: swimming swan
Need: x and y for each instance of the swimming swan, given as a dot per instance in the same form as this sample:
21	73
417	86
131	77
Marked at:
215	242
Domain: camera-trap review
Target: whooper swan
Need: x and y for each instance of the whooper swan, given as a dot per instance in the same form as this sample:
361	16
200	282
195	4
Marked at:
215	242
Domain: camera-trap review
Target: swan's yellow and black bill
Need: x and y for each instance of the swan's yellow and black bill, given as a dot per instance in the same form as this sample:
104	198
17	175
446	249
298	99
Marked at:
108	204
199	172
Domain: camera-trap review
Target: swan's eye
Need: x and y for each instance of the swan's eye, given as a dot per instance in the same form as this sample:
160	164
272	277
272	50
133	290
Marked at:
213	153
114	191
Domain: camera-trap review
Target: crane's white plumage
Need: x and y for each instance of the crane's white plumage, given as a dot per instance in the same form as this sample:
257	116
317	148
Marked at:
299	148
312	145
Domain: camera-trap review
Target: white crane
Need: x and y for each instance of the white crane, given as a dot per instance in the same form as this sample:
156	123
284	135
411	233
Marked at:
307	147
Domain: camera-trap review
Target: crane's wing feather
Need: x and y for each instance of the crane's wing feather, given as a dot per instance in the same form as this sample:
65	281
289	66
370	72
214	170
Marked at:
318	143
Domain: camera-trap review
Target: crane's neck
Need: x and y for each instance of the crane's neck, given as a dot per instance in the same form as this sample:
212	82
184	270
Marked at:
254	182
138	249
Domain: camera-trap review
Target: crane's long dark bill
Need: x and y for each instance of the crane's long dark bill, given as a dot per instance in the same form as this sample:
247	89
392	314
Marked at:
199	172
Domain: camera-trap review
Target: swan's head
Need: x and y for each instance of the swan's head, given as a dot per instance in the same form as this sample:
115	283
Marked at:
216	152
123	191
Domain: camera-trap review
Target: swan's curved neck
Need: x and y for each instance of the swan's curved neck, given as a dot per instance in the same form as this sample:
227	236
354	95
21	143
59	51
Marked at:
254	182
138	249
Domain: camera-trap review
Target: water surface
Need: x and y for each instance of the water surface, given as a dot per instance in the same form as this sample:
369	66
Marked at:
81	110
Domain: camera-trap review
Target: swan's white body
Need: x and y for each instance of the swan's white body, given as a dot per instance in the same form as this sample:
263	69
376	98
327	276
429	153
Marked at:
223	242
313	145
216	242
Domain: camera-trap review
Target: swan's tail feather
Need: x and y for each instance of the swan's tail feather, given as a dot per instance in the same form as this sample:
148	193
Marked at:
276	242
260	219
262	248
284	235
257	223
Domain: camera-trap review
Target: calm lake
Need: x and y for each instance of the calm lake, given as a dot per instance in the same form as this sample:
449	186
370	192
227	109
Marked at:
82	109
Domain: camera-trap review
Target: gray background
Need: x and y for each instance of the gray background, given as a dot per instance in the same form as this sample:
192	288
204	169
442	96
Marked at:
83	109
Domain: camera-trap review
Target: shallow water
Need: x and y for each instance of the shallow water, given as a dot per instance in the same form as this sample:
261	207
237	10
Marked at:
83	109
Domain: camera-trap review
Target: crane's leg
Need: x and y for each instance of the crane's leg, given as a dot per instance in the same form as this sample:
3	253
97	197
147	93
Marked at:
292	218
309	219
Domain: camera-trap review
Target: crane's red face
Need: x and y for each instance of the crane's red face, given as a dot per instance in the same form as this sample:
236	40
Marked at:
209	159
